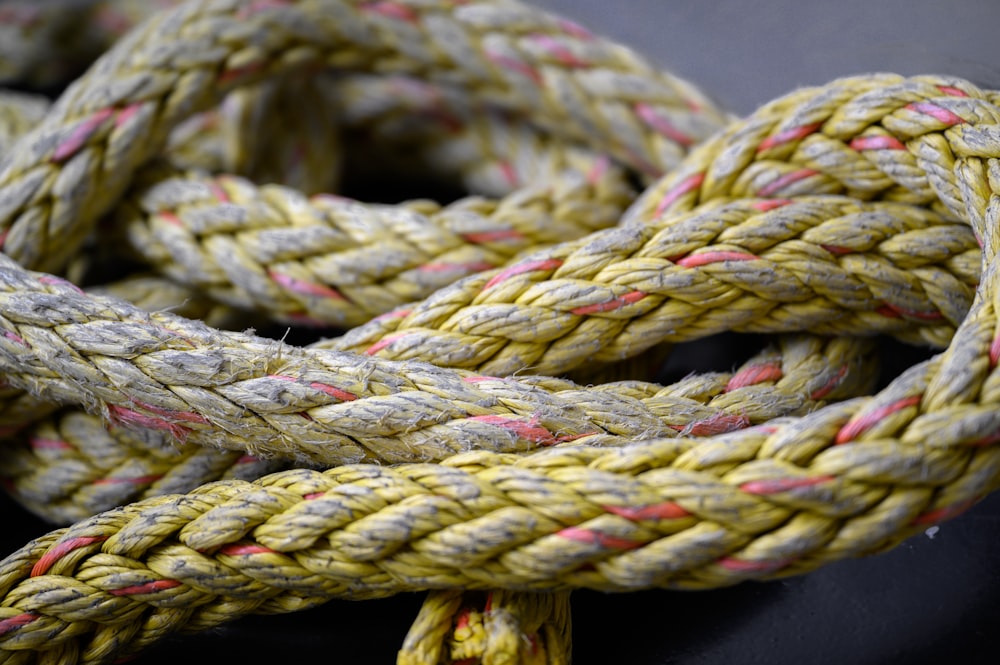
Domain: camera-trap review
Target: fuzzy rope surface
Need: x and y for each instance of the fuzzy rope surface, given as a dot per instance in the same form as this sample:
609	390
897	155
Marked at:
97	134
74	465
339	262
319	406
672	511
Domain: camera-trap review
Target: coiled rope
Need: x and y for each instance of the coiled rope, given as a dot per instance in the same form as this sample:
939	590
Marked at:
851	209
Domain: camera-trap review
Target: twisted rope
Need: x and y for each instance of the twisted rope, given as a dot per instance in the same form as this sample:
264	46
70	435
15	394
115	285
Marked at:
679	512
97	134
670	513
234	390
830	265
531	628
73	465
336	261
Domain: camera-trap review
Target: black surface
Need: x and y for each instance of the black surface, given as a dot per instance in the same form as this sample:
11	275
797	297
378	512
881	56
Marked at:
932	600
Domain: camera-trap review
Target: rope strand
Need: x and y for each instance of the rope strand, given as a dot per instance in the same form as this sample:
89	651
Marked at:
865	206
74	465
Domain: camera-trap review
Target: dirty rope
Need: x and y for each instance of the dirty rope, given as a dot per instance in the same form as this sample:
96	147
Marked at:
454	460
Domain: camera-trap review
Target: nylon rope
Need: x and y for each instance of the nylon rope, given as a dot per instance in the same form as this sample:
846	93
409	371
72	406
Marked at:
862	207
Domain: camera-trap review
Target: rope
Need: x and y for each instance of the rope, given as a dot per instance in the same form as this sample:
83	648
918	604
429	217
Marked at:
105	131
275	131
530	628
854	200
75	465
750	265
666	513
241	392
336	261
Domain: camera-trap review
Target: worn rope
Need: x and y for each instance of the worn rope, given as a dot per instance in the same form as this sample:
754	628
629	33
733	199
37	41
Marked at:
829	265
339	262
154	293
780	498
674	513
664	278
331	261
494	627
98	133
73	465
234	390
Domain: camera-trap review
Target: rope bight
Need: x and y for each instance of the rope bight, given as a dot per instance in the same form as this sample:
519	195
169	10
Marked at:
453	440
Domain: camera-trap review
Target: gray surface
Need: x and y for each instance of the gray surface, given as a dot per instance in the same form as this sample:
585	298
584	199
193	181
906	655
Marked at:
745	53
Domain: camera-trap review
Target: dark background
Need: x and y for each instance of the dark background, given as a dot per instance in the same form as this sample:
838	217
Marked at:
931	600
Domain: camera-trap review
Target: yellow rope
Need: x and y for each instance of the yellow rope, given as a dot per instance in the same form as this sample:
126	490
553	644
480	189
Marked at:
74	465
497	627
104	130
751	265
854	208
336	261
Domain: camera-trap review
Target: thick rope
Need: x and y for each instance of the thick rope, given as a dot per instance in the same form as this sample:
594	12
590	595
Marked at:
673	513
72	466
154	293
829	265
237	391
777	499
495	627
329	260
336	261
877	136
98	133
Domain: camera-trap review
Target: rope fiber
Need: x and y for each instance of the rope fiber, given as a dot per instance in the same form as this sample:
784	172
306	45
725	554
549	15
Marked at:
441	444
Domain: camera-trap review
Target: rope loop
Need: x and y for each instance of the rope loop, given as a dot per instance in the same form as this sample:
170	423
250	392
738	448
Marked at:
442	442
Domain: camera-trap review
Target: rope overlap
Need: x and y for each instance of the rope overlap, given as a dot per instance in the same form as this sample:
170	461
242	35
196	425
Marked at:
862	207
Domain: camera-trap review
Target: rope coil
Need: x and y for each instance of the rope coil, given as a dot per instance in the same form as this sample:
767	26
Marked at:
865	206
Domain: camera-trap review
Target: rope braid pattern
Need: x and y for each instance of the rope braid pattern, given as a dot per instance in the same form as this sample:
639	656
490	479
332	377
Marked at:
335	261
776	499
125	472
671	513
530	628
879	136
330	242
96	134
74	465
323	407
829	265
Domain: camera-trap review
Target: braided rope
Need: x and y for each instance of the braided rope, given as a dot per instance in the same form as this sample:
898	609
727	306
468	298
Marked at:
337	261
19	112
234	390
530	628
177	475
329	260
829	265
778	499
97	134
73	465
673	513
154	293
